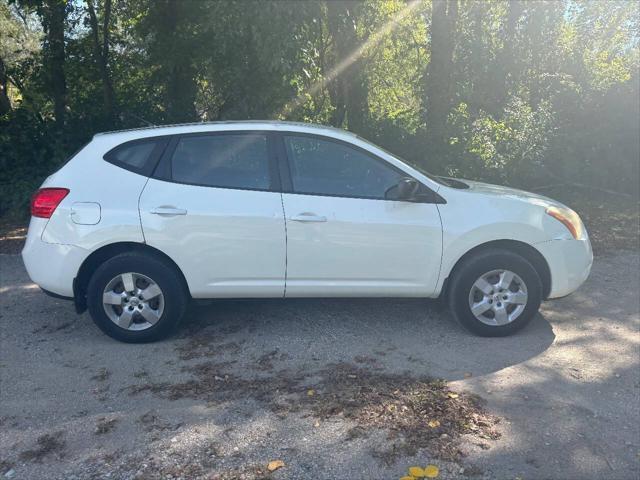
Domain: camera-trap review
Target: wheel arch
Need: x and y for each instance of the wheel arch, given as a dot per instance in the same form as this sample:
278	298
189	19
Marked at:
525	250
106	252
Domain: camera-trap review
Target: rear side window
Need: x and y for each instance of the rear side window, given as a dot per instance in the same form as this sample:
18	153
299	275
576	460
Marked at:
226	160
139	156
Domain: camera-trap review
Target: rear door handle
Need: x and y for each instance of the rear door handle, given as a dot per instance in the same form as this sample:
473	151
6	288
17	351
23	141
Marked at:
308	217
168	211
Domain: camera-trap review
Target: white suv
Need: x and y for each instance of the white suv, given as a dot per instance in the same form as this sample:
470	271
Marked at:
139	222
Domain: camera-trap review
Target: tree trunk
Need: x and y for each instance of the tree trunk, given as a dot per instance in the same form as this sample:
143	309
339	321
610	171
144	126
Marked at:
507	57
348	90
336	85
337	94
357	100
181	85
5	103
438	86
54	23
101	53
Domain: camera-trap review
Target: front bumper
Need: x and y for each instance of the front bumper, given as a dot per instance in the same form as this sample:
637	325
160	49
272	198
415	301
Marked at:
569	263
51	266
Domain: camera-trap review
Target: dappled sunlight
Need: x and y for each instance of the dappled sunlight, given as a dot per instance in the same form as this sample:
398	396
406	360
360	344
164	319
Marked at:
372	41
549	412
580	395
238	372
18	288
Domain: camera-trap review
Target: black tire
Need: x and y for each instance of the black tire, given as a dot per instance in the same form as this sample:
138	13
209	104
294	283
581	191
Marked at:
166	277
473	268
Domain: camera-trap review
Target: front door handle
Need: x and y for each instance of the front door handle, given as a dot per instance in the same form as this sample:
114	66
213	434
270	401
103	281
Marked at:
308	217
168	211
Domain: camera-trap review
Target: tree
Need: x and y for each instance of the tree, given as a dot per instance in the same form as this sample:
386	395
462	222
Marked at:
510	91
5	103
438	81
101	52
507	57
53	15
348	88
170	28
53	19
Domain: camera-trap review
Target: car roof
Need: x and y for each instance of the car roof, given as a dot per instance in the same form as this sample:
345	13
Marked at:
181	128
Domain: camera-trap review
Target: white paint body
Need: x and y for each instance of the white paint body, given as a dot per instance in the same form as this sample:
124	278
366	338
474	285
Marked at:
242	243
231	243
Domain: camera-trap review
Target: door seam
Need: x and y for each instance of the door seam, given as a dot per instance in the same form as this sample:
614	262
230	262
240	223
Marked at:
441	252
286	245
144	238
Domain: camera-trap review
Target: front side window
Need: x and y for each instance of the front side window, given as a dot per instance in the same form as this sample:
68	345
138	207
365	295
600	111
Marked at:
227	160
324	167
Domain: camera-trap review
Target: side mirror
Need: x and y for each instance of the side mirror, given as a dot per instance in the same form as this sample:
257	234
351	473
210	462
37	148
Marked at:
407	188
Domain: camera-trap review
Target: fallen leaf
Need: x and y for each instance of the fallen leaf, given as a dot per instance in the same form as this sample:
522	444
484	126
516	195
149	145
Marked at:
434	423
407	477
417	472
453	395
431	471
310	392
275	465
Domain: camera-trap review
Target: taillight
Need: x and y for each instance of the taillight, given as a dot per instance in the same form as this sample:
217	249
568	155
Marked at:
45	201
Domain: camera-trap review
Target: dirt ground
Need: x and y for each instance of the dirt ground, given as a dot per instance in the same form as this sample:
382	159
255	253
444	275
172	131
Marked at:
332	388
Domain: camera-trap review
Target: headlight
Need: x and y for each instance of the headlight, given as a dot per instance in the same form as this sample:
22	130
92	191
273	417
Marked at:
569	219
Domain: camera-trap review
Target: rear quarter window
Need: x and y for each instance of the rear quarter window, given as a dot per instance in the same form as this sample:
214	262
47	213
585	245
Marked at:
139	156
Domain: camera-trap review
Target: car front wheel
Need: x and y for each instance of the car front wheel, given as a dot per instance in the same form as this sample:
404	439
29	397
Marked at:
134	297
495	293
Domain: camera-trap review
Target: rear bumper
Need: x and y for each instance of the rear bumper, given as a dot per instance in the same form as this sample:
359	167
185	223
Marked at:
569	263
52	266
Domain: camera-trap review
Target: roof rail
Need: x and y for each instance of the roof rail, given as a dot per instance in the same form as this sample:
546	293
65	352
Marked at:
226	122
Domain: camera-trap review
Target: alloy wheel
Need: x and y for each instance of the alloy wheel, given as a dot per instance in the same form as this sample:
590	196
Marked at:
498	297
133	301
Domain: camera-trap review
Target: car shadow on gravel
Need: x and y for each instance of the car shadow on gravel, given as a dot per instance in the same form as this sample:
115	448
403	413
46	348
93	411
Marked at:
397	335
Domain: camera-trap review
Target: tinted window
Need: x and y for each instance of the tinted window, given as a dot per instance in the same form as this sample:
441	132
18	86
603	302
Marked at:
134	155
232	161
329	168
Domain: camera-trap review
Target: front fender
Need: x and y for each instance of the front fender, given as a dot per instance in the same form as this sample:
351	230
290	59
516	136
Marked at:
469	221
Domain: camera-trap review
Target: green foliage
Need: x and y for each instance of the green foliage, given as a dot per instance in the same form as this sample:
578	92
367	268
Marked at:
516	145
537	92
30	150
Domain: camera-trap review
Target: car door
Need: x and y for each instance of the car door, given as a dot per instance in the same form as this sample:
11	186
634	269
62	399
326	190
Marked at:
344	238
214	207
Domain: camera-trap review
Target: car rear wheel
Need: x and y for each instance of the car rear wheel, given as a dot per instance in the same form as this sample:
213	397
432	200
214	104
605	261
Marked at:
135	297
495	293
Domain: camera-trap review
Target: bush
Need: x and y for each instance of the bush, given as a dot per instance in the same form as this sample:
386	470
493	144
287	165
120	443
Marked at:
31	149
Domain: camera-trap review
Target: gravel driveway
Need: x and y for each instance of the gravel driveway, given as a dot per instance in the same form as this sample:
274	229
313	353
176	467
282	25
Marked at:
234	388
